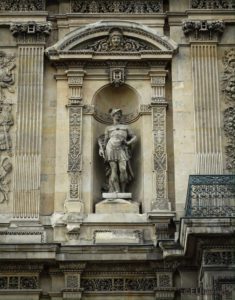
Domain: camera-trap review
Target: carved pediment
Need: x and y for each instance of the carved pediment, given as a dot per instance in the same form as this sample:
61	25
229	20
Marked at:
115	42
112	38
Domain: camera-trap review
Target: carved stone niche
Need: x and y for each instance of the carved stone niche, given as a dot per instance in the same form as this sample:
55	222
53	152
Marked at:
127	99
107	49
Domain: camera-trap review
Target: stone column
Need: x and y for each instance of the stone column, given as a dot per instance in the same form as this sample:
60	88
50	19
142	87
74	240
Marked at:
203	37
159	106
74	203
26	180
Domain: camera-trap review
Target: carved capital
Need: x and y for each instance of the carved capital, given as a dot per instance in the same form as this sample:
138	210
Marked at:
203	29
30	32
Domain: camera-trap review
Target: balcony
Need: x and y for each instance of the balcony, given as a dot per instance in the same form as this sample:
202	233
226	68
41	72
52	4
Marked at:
211	196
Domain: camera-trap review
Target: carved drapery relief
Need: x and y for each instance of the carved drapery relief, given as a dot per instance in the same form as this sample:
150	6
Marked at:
120	6
228	89
203	29
22	5
212	4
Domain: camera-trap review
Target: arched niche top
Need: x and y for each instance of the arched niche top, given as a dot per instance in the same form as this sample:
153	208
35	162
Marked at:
96	41
124	97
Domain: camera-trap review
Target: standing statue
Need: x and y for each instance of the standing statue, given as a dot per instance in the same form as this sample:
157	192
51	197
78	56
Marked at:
115	148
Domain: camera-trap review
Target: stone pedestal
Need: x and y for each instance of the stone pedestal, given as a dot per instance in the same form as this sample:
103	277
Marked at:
116	203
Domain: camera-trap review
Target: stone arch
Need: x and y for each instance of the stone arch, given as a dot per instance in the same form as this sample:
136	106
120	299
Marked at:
78	39
126	97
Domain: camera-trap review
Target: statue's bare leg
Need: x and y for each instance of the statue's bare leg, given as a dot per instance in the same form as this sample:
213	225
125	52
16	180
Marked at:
114	181
123	175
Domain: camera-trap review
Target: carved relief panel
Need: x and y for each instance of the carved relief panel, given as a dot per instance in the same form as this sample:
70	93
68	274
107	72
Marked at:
7	82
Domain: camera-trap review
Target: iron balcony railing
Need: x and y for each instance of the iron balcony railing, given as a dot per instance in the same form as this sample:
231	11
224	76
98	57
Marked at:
211	196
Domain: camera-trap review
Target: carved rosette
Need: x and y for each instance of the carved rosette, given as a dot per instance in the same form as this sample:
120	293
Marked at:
228	89
159	106
30	32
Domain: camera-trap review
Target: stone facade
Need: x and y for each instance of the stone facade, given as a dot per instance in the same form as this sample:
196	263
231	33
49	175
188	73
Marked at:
169	66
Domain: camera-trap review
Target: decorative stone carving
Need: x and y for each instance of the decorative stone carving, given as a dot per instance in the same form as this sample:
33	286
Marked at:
7	64
164	280
19	282
212	4
73	41
229	123
72	282
6	121
159	157
119	284
116	41
114	147
117	76
228	89
219	258
120	6
74	164
74	157
203	29
228	78
22	5
31	31
5	169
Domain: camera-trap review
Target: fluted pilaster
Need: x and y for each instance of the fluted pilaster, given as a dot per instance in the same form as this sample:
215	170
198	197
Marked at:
207	109
26	179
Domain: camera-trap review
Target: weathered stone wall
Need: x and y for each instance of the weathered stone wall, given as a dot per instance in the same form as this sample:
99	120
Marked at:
172	74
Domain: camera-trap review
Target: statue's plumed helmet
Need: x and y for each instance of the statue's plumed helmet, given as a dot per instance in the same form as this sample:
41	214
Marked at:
113	111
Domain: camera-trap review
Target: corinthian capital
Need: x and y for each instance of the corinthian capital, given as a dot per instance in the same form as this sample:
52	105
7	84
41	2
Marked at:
203	29
30	31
